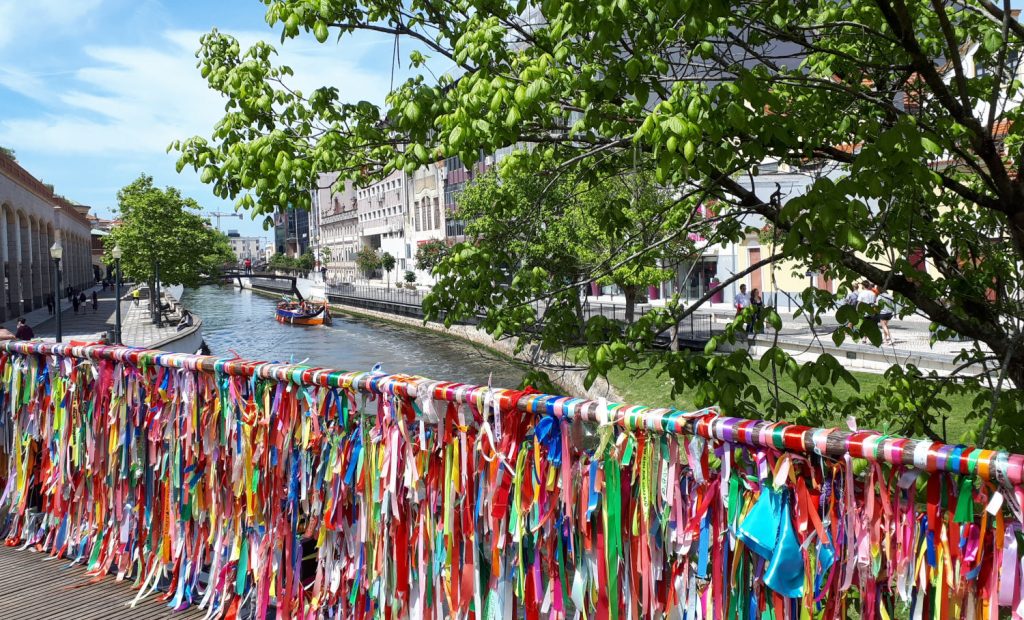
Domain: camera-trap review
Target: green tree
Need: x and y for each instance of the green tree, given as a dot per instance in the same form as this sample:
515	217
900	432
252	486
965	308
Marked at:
161	225
429	254
409	277
908	149
367	260
8	153
387	263
282	261
325	256
305	261
629	216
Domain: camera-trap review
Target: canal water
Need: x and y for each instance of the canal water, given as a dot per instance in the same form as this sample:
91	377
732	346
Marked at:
236	321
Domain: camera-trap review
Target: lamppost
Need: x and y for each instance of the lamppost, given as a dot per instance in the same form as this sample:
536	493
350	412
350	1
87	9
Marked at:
116	253
156	273
56	252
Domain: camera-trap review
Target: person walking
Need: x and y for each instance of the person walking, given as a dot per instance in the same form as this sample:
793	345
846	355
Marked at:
741	300
757	302
95	302
75	303
885	308
24	332
866	294
81	300
868	297
851	297
135	297
49	304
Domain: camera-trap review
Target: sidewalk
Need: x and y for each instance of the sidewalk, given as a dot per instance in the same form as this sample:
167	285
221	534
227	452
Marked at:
910	335
137	328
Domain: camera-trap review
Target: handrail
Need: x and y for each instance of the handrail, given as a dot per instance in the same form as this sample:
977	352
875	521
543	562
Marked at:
924	455
164	465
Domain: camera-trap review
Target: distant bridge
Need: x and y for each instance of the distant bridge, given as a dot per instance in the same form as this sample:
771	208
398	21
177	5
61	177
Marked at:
266	281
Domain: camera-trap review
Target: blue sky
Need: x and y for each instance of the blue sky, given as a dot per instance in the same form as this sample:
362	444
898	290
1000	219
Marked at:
93	91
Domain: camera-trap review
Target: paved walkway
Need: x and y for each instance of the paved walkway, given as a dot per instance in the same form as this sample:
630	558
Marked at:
34	586
137	328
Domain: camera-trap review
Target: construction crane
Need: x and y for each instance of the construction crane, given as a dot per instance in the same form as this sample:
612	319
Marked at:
220	214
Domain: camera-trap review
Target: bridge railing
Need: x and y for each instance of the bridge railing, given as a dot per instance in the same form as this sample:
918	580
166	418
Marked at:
429	499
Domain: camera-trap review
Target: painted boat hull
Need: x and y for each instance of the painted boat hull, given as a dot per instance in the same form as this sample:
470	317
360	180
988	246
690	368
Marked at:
320	316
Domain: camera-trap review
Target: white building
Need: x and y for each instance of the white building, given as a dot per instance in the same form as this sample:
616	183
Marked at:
245	247
32	220
381	212
426	219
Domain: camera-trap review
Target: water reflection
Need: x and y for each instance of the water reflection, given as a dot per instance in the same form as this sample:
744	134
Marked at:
241	322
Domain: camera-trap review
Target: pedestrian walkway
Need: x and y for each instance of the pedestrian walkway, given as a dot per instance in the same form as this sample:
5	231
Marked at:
910	335
34	586
137	328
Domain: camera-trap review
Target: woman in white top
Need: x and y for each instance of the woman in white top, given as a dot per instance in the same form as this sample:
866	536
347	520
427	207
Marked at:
866	294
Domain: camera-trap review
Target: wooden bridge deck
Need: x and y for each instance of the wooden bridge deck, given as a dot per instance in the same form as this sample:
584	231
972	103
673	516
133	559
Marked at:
33	586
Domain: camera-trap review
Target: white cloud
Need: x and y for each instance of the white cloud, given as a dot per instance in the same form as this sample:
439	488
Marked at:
136	100
25	84
21	19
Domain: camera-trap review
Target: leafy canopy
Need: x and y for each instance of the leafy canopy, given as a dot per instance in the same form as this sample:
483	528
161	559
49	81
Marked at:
160	225
367	260
908	150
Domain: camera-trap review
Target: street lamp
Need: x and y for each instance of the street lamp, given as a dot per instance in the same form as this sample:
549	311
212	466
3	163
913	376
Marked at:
116	253
56	252
156	282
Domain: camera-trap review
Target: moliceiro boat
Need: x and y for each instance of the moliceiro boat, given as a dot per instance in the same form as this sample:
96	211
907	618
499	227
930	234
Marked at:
303	312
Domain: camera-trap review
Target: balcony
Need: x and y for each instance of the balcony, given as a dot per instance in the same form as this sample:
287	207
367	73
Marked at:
390	224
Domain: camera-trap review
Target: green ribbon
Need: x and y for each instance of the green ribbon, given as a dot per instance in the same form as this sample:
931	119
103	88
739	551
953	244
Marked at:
612	531
965	502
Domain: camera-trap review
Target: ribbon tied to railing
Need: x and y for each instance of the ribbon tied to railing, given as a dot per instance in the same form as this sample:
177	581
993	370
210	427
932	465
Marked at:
256	488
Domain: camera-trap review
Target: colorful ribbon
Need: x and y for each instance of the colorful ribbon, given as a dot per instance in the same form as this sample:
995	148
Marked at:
233	484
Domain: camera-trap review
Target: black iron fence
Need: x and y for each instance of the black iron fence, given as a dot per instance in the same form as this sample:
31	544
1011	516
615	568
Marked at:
695	329
377	293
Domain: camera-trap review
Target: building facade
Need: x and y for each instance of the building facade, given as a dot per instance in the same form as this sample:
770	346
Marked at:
245	248
426	220
337	230
32	219
381	214
291	231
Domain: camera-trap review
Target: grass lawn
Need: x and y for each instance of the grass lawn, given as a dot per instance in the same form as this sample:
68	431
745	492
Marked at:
649	387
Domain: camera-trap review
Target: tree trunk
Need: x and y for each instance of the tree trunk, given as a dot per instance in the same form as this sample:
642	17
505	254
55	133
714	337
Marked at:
581	319
630	292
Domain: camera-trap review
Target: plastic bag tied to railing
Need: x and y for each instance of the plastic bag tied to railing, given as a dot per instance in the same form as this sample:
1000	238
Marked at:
252	487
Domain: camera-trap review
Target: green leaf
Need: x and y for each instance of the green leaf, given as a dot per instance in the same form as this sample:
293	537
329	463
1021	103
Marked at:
455	138
855	239
320	31
412	111
931	146
693	110
675	125
689	151
993	41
